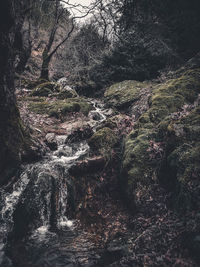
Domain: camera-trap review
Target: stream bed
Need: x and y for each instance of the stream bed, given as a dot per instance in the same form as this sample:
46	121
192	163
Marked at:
34	226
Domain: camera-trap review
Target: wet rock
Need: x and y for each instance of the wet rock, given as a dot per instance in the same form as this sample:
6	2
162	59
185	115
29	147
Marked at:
80	134
65	151
89	165
95	115
50	140
104	138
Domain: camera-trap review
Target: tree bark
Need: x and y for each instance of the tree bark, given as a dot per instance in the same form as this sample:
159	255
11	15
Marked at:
45	66
11	134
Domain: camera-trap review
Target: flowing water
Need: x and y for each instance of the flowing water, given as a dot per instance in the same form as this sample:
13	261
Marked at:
36	208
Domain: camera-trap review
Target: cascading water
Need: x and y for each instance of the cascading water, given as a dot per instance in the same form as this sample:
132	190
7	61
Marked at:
37	206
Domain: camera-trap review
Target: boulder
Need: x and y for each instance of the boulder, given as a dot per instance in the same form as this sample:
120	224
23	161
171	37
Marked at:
60	108
103	140
66	92
90	165
45	89
80	134
122	95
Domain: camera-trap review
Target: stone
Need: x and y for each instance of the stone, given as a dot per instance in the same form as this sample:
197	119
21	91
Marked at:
50	140
122	95
104	139
89	165
63	81
79	134
95	115
45	89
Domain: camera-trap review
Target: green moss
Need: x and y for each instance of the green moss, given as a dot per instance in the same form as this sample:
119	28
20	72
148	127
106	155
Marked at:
124	93
191	124
181	137
136	159
40	107
65	94
45	89
61	107
31	84
109	124
64	109
172	95
104	139
113	122
144	118
32	99
185	161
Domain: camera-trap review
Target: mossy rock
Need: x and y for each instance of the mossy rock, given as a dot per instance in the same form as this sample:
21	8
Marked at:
170	97
61	107
32	99
65	94
104	139
112	122
180	136
136	159
45	89
123	94
185	161
31	84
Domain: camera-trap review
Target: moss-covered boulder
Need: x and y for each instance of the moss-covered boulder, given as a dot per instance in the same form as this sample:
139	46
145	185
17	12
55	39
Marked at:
183	158
67	93
165	142
113	122
60	108
31	84
103	140
170	97
45	89
123	94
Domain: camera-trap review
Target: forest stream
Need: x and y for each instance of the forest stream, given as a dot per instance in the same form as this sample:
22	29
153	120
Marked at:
36	208
99	133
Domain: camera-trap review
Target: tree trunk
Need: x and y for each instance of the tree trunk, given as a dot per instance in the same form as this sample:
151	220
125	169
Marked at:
45	66
11	134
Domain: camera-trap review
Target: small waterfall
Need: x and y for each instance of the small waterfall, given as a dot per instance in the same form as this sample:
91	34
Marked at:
39	200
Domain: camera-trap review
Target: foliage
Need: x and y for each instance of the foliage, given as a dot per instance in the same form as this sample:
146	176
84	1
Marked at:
151	36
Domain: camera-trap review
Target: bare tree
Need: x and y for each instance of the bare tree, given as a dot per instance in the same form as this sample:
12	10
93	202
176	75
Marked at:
50	48
107	16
